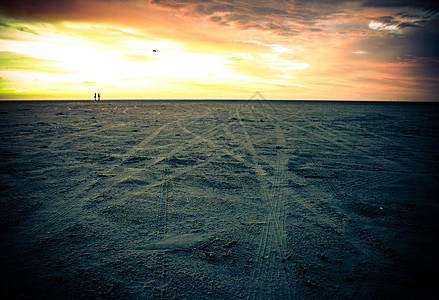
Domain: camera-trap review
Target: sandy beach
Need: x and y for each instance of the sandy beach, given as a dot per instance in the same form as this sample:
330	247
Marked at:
218	199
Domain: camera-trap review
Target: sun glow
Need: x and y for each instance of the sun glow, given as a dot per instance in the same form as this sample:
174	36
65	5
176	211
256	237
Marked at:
131	61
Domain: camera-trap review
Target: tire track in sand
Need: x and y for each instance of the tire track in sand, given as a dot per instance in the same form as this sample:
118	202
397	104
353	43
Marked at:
332	217
160	258
269	278
70	203
69	208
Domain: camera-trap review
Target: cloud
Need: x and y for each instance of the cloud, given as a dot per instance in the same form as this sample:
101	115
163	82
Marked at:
404	25
69	10
417	35
404	20
384	27
4	26
272	15
285	18
290	18
35	8
425	4
212	8
15	61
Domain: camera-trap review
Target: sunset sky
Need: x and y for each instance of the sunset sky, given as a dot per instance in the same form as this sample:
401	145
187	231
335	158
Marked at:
219	49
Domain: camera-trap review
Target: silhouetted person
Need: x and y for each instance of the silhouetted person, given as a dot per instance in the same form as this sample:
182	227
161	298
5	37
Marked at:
95	96
99	97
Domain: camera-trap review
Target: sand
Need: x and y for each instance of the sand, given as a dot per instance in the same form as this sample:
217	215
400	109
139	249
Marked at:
218	199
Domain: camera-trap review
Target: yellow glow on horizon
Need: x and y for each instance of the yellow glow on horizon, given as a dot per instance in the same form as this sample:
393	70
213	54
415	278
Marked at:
133	62
117	59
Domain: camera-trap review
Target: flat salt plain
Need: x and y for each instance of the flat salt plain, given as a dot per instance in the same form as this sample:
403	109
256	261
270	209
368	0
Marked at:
219	199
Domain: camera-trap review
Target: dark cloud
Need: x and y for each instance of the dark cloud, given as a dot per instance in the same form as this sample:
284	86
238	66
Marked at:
216	19
419	47
170	4
58	9
404	25
386	20
270	11
275	15
37	8
290	17
425	42
425	4
210	9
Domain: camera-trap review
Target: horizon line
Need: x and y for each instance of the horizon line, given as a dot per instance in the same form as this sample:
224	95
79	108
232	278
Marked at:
228	99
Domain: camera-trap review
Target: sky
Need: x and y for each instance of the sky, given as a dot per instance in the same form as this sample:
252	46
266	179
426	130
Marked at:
220	49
